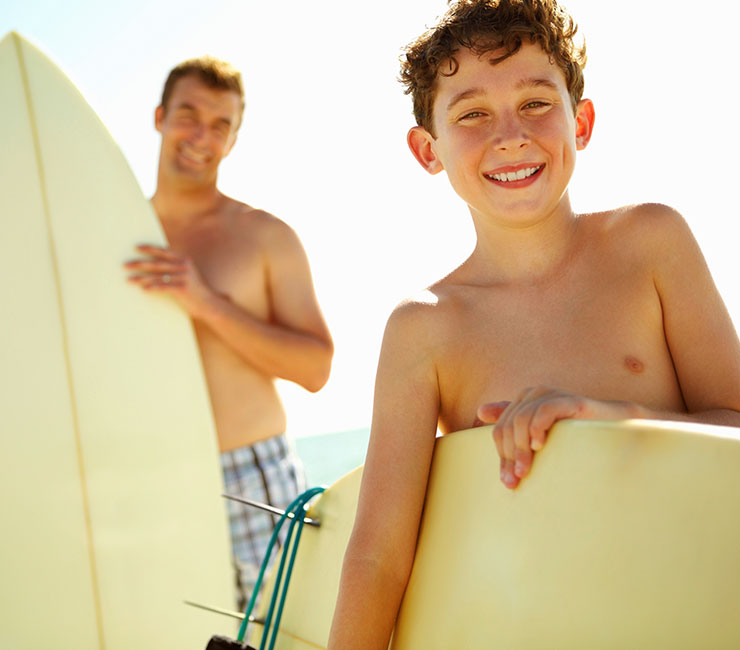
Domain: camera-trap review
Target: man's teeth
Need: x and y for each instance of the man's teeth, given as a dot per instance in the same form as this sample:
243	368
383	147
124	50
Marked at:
193	155
519	175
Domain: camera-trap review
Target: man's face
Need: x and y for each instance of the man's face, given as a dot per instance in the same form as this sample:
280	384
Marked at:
506	134
198	128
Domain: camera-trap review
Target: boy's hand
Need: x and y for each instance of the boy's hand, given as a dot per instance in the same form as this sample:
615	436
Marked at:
522	425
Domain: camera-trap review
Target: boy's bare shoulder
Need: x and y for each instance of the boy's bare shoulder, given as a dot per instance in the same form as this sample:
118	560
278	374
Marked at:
427	318
640	220
652	231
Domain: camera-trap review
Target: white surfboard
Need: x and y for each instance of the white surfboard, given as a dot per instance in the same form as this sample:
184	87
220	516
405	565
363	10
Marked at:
110	478
625	535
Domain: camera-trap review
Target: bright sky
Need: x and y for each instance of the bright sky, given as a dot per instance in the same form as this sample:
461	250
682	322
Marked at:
323	143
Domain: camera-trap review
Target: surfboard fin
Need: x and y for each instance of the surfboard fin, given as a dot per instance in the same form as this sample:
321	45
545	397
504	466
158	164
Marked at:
268	508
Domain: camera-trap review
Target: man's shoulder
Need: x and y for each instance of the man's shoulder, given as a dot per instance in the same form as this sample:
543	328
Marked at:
257	222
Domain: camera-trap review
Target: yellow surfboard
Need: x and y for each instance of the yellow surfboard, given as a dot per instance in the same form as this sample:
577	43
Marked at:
110	477
625	535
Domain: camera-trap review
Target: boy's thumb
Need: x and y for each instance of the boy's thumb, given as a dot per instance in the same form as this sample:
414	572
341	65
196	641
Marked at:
490	412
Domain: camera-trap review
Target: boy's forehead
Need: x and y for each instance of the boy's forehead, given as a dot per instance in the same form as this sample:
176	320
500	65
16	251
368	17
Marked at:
471	73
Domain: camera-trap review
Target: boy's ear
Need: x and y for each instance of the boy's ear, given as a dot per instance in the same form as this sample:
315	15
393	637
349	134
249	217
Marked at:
420	142
585	117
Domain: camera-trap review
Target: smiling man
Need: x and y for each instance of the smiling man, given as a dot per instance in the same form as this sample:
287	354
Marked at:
243	277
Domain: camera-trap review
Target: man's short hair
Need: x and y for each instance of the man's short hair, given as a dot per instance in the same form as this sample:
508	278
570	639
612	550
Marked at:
212	72
483	26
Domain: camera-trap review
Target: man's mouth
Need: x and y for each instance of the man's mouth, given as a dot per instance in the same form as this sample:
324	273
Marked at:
517	175
193	154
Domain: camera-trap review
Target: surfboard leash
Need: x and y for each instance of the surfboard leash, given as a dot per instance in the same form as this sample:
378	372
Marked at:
295	512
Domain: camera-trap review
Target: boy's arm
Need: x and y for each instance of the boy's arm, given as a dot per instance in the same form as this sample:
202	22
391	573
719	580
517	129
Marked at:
380	553
701	338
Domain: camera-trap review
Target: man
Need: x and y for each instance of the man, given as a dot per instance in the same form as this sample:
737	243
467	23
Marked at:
243	277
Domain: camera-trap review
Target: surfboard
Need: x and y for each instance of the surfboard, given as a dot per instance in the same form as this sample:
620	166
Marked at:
110	475
625	535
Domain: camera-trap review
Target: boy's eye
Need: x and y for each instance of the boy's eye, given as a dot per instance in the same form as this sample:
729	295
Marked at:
535	105
471	115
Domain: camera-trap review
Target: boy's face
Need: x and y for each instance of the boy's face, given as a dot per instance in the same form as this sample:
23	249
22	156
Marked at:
506	134
198	128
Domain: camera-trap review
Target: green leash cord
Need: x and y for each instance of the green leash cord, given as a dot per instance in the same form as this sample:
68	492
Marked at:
297	508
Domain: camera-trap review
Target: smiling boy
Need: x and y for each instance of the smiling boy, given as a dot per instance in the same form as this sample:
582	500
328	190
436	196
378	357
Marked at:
554	315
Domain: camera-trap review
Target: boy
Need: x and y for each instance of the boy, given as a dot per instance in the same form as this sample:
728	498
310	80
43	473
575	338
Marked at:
616	310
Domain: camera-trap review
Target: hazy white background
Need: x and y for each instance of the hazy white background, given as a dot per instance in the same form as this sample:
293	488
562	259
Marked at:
323	142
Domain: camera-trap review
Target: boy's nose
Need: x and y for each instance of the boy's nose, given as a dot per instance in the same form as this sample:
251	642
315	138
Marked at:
509	134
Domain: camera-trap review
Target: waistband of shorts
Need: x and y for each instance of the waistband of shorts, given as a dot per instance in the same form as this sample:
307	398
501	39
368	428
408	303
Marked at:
271	447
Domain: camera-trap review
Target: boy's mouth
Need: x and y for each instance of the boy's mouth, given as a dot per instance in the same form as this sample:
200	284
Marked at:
514	174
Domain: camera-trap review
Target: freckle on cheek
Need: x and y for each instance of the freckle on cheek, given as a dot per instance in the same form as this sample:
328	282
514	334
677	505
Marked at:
634	365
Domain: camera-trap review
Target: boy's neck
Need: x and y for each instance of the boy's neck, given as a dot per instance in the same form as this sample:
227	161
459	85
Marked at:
526	253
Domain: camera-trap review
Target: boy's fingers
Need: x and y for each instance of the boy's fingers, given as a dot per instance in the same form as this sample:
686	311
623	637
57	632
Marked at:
498	439
491	411
508	478
522	462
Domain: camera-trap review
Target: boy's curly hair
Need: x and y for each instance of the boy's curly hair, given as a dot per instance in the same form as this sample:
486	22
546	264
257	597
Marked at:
483	26
210	71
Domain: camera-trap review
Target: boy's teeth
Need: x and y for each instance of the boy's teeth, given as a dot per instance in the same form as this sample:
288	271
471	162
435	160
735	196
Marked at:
515	176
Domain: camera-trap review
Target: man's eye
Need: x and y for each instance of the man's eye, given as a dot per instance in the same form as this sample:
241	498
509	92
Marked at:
471	115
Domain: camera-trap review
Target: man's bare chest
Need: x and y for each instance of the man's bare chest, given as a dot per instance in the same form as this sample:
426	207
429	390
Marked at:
230	265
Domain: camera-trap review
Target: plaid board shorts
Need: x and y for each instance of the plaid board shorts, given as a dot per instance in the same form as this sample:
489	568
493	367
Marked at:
268	471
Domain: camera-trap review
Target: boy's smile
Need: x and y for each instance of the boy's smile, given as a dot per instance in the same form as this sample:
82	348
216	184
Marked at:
506	134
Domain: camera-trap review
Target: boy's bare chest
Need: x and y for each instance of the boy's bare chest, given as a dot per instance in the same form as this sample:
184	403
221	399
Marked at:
605	342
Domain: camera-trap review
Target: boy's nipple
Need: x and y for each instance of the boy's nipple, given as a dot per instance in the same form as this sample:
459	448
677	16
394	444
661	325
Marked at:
634	365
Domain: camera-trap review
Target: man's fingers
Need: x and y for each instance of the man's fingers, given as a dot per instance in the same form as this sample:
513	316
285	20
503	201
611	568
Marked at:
159	281
155	266
158	252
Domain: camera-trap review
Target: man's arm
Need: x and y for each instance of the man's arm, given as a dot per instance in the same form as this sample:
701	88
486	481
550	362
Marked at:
380	553
294	344
701	338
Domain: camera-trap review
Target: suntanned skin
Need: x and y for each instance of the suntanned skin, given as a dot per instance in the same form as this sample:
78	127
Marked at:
241	274
606	316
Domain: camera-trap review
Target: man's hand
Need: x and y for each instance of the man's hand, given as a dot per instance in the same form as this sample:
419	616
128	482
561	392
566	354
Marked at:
522	426
164	271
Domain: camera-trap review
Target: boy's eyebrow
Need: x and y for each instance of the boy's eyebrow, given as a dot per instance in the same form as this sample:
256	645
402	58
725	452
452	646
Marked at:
466	94
529	82
533	82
